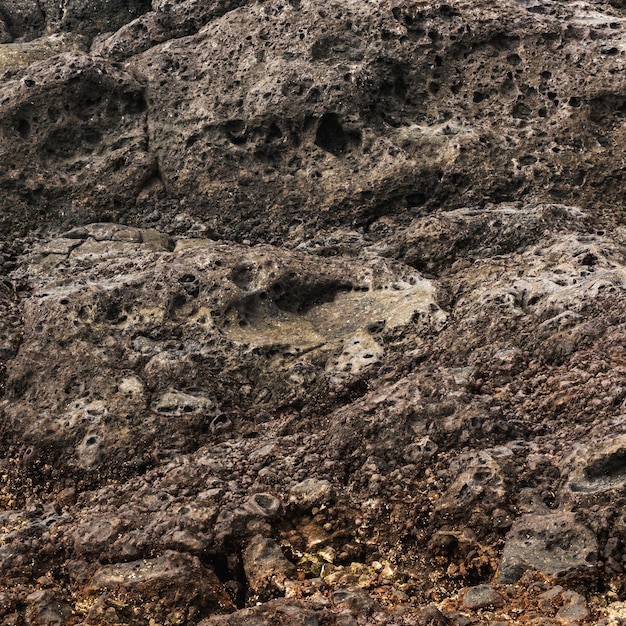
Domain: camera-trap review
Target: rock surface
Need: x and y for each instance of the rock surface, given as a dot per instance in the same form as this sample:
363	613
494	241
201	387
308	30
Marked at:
312	313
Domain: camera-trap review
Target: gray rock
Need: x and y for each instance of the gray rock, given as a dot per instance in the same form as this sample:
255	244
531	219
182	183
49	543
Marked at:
482	596
553	544
574	610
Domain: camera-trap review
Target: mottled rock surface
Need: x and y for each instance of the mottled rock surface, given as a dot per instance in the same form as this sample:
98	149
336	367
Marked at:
312	313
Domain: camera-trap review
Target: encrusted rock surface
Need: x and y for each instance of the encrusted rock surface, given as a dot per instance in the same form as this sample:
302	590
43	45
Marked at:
312	313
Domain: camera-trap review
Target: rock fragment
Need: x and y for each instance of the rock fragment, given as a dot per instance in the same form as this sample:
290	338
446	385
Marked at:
47	608
154	586
482	596
265	566
574	610
310	493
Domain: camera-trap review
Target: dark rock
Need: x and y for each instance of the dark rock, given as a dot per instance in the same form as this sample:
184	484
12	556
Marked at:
432	616
154	586
357	599
31	18
273	613
47	608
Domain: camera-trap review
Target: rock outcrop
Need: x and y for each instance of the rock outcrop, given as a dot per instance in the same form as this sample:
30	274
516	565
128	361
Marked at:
312	313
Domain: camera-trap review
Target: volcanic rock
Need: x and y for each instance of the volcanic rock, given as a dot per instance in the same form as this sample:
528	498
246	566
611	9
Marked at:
482	596
265	566
554	544
312	313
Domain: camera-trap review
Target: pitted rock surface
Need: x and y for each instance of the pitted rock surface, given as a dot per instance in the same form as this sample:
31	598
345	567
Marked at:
312	313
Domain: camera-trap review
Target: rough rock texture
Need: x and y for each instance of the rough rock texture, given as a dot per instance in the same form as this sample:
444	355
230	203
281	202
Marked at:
312	313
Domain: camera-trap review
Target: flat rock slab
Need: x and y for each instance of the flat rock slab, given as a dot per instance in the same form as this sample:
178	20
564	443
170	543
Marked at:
555	545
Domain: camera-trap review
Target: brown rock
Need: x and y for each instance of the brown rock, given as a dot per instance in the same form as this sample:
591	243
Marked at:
153	587
349	275
265	566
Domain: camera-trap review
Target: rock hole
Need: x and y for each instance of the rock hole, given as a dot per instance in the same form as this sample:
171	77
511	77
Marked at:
191	284
191	140
113	312
264	504
376	327
611	466
236	132
415	199
221	423
331	136
589	259
134	103
178	301
527	160
273	133
482	475
295	297
23	128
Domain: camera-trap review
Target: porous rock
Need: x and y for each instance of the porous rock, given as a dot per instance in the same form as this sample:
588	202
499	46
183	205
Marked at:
554	544
314	300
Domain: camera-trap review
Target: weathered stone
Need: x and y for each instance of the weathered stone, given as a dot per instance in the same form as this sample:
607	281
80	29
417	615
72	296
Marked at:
311	493
357	599
156	586
46	608
482	596
432	616
553	544
29	17
265	566
273	613
16	56
346	275
574	609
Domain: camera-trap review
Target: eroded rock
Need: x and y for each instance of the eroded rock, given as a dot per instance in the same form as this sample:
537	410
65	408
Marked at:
553	544
265	566
323	301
